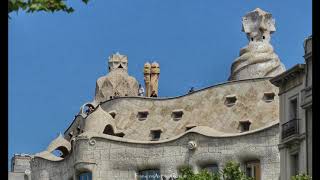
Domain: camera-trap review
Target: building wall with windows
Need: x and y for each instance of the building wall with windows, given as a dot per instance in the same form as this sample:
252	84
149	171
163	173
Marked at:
295	96
20	167
110	157
206	107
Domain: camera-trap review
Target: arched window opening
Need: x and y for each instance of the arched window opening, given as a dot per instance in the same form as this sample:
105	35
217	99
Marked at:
108	130
61	152
85	176
211	168
89	108
150	174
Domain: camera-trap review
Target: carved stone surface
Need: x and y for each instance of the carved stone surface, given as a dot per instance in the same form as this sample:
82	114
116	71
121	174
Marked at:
151	74
192	145
117	82
257	59
155	73
112	158
147	78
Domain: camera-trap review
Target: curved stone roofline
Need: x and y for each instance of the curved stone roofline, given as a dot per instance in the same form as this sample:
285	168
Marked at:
188	94
199	130
169	98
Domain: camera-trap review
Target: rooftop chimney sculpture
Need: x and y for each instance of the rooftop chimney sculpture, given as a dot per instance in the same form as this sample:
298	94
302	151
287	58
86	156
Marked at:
257	59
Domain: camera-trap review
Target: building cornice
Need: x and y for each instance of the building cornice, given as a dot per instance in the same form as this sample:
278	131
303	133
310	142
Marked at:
288	75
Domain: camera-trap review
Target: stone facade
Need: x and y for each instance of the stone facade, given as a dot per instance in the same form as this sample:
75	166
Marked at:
109	157
208	106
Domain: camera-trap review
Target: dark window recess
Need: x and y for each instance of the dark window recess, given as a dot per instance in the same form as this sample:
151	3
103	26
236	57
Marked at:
78	129
71	134
176	115
294	164
150	174
108	130
293	112
211	168
230	101
155	135
253	169
143	115
268	97
121	134
245	126
85	176
189	127
113	114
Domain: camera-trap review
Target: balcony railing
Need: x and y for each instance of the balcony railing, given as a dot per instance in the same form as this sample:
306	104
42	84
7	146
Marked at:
290	128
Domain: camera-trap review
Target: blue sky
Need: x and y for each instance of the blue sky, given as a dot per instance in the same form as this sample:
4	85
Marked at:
55	59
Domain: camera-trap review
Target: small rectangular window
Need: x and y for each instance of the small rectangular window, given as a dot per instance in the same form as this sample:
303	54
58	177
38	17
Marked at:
177	114
293	112
230	100
268	96
155	135
142	115
244	125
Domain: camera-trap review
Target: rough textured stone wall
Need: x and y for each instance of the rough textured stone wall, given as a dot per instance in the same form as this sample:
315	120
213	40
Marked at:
109	157
202	108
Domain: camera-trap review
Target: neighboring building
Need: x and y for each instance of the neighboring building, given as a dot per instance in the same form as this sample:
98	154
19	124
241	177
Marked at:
20	167
295	93
126	136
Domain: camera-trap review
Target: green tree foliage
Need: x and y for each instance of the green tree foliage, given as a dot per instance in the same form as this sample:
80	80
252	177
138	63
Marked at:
40	5
302	176
231	171
188	174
